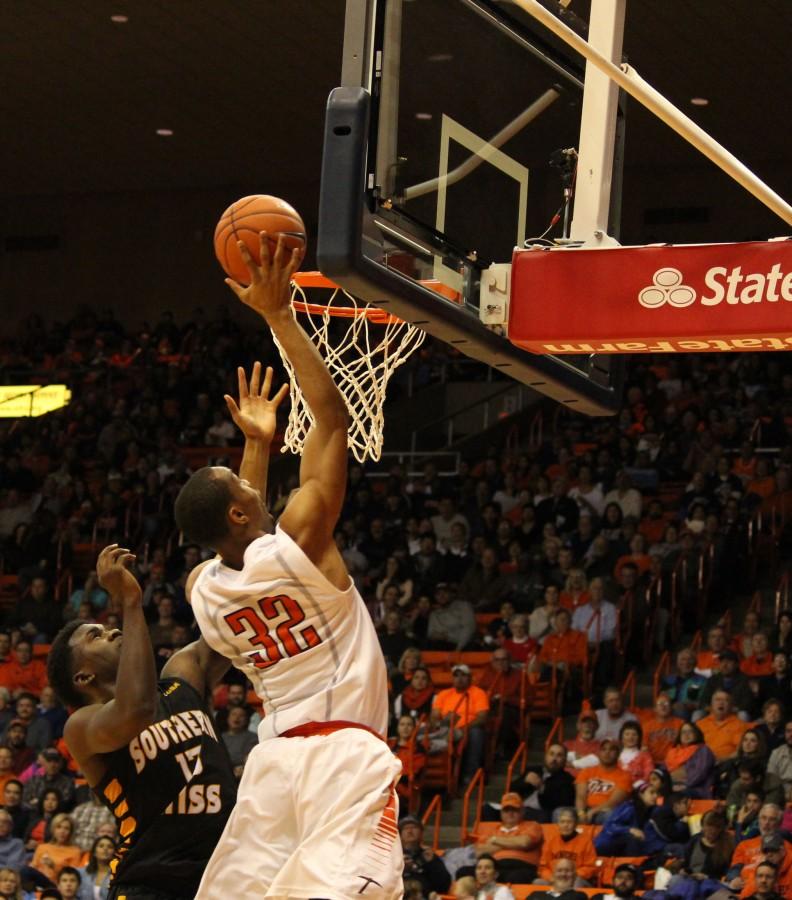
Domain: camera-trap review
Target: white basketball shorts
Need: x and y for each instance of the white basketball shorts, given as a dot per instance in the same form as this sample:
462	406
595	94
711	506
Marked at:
316	817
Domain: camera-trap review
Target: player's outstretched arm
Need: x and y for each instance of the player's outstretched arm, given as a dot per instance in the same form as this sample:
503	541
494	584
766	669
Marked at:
255	416
104	727
311	515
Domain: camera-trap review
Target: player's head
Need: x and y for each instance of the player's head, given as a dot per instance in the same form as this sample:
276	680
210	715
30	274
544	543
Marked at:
216	507
83	662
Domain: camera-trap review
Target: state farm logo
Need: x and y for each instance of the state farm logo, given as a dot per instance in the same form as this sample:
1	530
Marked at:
720	283
667	288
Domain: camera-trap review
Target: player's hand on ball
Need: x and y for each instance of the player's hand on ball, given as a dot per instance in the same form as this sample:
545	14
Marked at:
268	292
114	576
255	416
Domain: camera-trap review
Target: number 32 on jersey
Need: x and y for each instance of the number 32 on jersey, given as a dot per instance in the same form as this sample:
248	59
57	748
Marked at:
288	638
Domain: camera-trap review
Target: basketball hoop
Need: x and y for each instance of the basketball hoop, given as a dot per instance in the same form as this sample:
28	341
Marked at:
362	346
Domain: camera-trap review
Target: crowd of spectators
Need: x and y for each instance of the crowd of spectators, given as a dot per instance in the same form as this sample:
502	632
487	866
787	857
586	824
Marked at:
551	558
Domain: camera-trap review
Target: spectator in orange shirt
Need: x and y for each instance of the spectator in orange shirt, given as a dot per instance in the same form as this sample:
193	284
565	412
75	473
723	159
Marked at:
563	648
760	662
463	707
601	788
575	591
661	730
741	643
520	645
24	674
707	660
566	842
722	729
502	681
513	842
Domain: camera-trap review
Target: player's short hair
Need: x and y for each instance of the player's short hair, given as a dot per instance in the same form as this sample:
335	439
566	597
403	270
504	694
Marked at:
201	508
60	667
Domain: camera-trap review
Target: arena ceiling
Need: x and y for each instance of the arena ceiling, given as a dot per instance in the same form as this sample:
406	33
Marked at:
243	84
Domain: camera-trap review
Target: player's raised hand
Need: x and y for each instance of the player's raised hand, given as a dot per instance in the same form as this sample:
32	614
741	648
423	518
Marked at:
114	576
255	415
268	292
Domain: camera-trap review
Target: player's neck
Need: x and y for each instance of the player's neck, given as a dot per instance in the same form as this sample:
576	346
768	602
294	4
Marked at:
232	551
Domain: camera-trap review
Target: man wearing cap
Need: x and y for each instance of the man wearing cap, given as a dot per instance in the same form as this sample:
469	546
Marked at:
52	778
777	851
731	680
463	708
548	787
625	880
722	729
748	852
420	863
515	843
452	623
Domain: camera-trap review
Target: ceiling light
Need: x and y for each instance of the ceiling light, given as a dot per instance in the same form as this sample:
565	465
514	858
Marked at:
699	101
119	19
165	132
424	117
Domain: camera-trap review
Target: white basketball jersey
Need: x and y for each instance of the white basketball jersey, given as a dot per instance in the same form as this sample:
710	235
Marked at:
309	649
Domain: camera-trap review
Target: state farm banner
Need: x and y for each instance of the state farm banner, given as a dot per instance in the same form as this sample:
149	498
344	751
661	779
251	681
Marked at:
661	299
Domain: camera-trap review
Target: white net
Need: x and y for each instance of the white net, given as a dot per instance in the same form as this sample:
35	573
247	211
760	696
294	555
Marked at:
362	347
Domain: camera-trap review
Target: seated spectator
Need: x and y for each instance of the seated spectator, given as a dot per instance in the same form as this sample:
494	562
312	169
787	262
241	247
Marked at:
51	710
749	852
38	733
12	804
746	817
452	623
498	629
781	637
39	825
502	682
23	674
625	881
661	781
69	882
408	662
235	696
395	575
10	885
514	843
464	888
637	556
52	778
463	707
760	661
597	620
635	761
625	496
722	729
90	592
51	856
601	788
37	614
684	688
393	639
416	698
777	685
12	850
562	881
731	680
6	708
563	649
566	841
410	753
420	863
88	818
661	729
777	852
708	660
520	646
237	739
547	787
626	830
487	876
753	779
15	739
742	642
752	750
583	749
766	880
669	820
575	593
780	762
771	725
611	718
690	762
706	859
95	875
6	768
540	622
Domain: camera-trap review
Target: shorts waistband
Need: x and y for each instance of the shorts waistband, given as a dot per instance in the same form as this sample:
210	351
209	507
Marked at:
312	729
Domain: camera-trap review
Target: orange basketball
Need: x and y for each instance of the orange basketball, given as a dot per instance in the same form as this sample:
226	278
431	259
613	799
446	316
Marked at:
243	221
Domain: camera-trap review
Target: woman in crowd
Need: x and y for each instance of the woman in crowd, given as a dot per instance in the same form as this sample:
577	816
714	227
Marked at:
781	638
10	888
706	860
416	698
408	663
745	820
576	592
412	755
660	780
48	806
691	763
752	749
626	831
612	520
52	855
96	873
632	758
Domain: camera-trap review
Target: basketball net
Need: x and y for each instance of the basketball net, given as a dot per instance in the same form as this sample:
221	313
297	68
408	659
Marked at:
362	347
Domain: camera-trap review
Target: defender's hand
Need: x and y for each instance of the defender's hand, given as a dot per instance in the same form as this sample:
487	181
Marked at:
268	292
114	576
255	415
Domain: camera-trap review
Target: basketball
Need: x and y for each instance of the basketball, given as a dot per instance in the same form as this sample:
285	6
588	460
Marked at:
243	221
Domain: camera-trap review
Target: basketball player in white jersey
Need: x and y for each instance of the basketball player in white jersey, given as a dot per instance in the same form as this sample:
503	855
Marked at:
316	815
